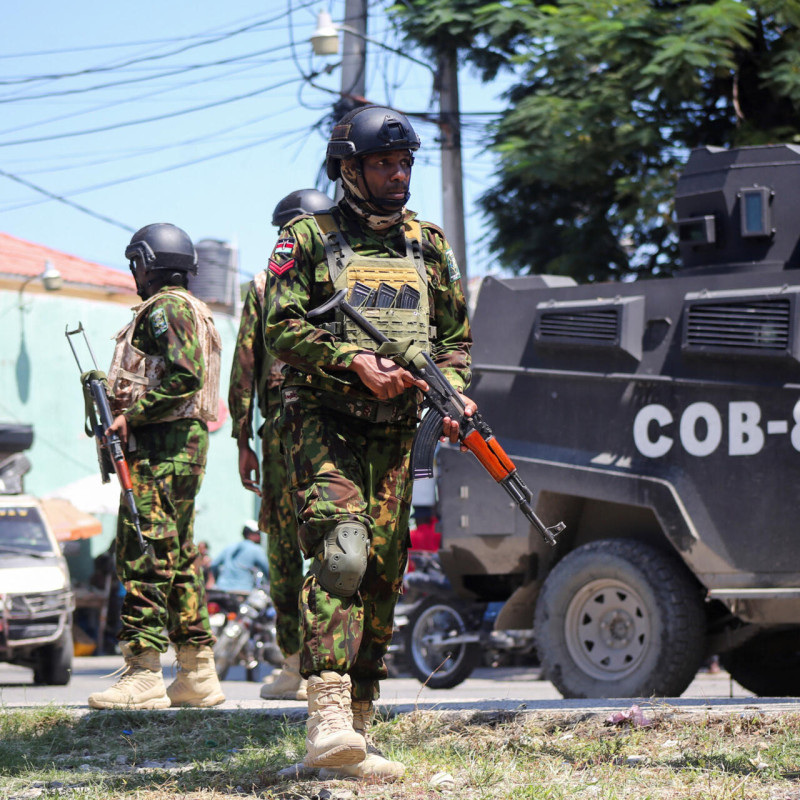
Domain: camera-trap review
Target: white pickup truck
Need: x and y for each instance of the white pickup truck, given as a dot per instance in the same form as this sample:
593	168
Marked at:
36	602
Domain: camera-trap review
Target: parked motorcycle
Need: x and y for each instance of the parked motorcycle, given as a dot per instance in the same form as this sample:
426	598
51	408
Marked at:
245	630
442	638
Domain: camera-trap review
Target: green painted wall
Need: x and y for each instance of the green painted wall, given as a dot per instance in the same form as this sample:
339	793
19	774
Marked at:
39	384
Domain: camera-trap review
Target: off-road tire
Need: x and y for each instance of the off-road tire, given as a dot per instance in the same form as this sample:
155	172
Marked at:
54	661
768	664
435	663
618	618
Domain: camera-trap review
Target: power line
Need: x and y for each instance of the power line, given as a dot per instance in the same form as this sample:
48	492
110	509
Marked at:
64	200
143	59
141	78
149	94
158	171
157	118
140	151
110	45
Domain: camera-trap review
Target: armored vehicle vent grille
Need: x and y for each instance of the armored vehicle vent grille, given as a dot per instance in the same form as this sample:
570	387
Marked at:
757	325
587	326
612	324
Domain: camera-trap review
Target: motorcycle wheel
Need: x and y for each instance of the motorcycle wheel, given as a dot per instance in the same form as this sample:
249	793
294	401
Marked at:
227	649
431	659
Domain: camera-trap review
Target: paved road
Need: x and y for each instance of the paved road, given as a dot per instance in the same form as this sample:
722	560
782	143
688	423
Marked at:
501	689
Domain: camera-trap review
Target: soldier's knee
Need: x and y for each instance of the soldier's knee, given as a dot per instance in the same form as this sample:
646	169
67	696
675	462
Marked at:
344	559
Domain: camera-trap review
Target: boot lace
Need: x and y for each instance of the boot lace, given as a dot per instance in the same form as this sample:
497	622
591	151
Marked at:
331	702
128	673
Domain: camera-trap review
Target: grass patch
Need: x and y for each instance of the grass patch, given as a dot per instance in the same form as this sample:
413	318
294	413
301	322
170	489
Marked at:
210	755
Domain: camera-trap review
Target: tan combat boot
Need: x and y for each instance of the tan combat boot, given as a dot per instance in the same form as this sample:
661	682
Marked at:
141	685
196	683
330	738
374	766
286	683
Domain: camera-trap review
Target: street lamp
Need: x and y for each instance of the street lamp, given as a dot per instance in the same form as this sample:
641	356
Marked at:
325	40
50	277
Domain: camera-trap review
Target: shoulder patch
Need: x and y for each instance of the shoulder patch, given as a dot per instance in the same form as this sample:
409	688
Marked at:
158	322
282	258
452	266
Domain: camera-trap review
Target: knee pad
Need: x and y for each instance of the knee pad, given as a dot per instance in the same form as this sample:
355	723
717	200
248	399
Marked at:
344	559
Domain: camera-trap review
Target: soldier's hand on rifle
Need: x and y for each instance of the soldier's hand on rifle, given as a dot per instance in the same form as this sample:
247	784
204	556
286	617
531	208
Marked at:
450	426
383	377
120	427
248	468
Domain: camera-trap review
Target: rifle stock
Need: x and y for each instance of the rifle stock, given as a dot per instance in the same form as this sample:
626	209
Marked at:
444	401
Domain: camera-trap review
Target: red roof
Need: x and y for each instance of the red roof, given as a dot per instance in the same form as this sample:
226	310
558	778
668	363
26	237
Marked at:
26	259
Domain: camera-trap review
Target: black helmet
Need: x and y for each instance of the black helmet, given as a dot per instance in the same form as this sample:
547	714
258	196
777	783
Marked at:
163	246
303	201
368	129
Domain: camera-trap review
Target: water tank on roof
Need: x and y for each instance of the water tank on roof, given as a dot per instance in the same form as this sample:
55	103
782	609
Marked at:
217	279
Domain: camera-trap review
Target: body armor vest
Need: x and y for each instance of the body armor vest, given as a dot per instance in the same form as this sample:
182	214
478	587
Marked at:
391	292
133	372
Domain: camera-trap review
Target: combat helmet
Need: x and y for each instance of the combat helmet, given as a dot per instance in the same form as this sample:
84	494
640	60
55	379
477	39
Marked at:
368	129
303	201
162	246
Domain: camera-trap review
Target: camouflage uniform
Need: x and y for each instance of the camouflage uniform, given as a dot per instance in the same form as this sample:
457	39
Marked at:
167	463
255	371
344	464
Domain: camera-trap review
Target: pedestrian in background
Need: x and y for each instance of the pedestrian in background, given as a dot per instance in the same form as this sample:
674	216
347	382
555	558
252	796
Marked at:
237	565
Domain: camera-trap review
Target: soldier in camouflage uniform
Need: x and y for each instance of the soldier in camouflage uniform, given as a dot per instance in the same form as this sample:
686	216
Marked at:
349	417
255	372
165	382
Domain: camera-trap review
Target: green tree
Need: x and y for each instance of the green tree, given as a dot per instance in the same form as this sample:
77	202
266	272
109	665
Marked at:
610	97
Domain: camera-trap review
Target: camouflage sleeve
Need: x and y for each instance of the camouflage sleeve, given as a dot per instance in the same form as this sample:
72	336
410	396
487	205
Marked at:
297	267
451	347
170	331
247	358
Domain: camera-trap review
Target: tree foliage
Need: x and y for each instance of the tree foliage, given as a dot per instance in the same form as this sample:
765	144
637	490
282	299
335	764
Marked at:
610	97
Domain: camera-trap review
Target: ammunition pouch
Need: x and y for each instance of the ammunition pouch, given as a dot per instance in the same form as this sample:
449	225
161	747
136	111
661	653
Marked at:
344	559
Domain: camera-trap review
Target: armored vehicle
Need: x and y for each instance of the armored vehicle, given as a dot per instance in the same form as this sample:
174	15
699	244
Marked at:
660	419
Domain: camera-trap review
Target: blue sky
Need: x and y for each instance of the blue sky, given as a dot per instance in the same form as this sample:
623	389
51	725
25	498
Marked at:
216	172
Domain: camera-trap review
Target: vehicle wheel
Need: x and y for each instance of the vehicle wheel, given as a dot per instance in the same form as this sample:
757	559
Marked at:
229	645
618	618
430	658
54	661
768	664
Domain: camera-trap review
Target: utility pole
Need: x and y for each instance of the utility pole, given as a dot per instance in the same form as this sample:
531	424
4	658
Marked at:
354	49
354	64
452	175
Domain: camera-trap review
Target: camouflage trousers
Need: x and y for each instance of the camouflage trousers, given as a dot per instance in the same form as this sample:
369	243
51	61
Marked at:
166	592
342	468
276	518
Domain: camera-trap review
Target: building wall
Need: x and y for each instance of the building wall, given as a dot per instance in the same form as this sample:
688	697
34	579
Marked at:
39	384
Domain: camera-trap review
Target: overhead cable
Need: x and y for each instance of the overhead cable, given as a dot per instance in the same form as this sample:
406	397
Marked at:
69	203
157	118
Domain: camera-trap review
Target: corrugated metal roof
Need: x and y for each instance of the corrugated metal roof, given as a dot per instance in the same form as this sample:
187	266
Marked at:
27	259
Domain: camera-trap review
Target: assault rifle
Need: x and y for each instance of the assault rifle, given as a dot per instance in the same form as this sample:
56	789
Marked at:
110	453
442	400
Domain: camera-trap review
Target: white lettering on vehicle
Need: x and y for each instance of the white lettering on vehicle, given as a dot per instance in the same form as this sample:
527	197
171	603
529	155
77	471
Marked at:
700	429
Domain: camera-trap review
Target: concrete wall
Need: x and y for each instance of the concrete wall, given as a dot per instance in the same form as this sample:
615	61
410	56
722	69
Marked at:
39	384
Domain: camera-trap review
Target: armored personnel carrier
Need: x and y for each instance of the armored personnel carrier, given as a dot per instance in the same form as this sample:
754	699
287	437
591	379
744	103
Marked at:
660	419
